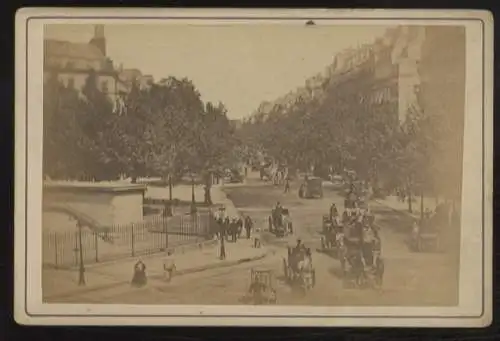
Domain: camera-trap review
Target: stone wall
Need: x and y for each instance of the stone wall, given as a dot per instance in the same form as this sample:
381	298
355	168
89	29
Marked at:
105	205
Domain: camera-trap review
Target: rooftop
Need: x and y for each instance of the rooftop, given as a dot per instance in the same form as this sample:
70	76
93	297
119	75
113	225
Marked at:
59	48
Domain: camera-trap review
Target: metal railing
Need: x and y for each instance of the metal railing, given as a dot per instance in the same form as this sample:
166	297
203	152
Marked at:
61	249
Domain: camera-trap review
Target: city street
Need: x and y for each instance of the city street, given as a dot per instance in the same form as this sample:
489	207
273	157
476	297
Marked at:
410	278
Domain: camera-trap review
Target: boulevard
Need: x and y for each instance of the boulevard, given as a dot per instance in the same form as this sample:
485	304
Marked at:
410	279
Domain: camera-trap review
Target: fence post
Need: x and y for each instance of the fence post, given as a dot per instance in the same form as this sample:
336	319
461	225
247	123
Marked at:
55	248
96	248
133	246
165	229
77	257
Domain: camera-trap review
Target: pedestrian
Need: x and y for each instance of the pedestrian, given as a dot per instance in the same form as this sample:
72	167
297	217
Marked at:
248	225
222	249
234	229
139	278
239	225
169	266
287	184
226	228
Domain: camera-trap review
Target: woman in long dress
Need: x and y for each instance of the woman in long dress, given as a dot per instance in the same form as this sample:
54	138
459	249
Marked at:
139	279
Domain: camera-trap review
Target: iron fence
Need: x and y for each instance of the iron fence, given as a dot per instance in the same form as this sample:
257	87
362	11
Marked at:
156	234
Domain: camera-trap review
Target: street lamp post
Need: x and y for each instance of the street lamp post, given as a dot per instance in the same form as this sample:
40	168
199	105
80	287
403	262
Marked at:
193	200
81	278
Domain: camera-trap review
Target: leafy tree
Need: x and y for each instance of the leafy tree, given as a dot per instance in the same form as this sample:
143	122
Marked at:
62	134
96	119
215	145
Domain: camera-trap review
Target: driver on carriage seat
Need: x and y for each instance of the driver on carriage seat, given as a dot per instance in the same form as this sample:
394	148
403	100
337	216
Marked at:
333	211
299	247
278	209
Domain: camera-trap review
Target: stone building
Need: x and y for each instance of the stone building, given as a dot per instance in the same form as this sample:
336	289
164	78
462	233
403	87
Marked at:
72	63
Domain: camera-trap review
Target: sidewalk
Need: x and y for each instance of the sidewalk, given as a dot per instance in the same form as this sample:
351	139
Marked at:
395	204
63	283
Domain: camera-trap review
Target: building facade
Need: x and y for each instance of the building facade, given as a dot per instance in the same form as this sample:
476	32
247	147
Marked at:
72	63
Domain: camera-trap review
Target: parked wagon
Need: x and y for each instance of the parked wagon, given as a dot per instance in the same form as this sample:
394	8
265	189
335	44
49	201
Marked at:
425	236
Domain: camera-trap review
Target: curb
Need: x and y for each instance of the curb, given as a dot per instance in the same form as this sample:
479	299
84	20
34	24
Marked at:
177	273
219	265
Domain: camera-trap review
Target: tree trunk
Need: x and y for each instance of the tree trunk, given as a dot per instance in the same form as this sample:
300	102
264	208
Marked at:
170	187
409	198
208	186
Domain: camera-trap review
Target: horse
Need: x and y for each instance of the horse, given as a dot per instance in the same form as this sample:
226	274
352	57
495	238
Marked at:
306	272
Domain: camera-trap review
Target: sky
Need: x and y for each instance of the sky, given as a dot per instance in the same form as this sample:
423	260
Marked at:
240	66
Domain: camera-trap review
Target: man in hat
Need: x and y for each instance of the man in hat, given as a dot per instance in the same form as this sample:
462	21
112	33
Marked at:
169	266
248	225
222	254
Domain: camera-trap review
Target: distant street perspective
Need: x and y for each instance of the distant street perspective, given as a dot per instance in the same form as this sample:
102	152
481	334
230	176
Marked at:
343	191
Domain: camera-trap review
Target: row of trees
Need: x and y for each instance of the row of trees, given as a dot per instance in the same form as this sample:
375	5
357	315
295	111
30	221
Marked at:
343	128
164	131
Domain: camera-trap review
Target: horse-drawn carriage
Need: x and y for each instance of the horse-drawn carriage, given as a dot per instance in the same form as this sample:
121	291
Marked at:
425	235
362	264
280	222
331	229
298	268
262	287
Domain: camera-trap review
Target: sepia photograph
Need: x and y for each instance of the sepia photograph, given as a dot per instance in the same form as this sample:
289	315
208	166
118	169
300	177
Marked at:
250	165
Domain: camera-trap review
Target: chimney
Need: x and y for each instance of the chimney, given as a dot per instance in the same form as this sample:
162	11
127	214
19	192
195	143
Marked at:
99	40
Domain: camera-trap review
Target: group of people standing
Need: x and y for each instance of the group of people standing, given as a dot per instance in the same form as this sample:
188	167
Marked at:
231	228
